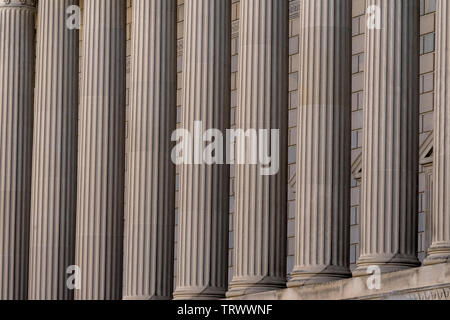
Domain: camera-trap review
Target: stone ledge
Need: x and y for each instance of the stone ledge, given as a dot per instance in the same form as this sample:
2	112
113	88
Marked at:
18	3
424	283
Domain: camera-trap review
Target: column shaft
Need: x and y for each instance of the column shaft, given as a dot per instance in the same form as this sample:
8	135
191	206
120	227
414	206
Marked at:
390	149
17	57
261	200
204	189
439	251
53	196
150	196
323	148
100	190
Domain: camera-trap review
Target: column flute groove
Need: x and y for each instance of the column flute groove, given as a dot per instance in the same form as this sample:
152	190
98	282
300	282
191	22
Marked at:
150	212
261	200
203	210
99	235
439	252
323	148
391	148
17	55
53	195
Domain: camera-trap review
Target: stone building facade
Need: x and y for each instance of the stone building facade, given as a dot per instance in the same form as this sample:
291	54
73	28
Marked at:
89	192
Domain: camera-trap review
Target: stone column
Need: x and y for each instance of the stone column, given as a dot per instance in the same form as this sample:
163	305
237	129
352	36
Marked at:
439	252
101	146
390	148
53	196
323	148
203	208
150	212
261	200
17	57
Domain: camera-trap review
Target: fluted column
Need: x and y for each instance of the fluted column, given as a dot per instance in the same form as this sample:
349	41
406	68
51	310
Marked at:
150	212
101	145
17	57
390	149
53	195
439	252
203	207
261	200
323	148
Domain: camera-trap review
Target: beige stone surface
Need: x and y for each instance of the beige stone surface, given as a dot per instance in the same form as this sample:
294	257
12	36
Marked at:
391	145
204	241
17	55
323	144
54	181
100	186
203	209
260	217
425	283
439	251
149	214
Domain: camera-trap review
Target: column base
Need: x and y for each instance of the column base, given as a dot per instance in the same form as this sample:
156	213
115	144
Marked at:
146	298
199	293
250	285
303	276
386	263
438	254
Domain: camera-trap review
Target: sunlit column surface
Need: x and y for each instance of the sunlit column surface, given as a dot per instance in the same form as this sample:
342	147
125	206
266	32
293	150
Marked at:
150	212
203	208
261	200
323	150
53	196
100	209
391	145
17	56
439	252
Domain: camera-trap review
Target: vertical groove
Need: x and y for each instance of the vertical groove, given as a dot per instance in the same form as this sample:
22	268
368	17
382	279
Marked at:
16	128
439	251
261	201
53	196
323	150
203	210
99	235
390	149
149	222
